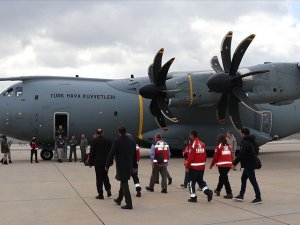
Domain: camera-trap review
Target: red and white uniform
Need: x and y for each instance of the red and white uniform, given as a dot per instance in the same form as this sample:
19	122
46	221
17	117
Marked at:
162	149
223	156
197	156
138	154
185	153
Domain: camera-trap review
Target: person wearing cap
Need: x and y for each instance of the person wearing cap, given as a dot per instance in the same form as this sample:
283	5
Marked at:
100	148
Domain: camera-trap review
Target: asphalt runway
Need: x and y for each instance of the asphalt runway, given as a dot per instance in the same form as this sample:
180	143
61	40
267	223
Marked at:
50	193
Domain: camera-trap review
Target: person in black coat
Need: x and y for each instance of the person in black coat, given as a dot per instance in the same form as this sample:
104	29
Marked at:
99	150
248	158
124	152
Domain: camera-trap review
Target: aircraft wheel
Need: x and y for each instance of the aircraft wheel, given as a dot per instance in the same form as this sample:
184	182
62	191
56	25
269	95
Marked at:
46	154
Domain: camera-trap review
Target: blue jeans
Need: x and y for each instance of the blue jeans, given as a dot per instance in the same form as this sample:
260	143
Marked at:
249	173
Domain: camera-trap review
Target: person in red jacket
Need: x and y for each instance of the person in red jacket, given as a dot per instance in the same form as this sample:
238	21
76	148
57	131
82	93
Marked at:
196	166
34	149
223	159
185	154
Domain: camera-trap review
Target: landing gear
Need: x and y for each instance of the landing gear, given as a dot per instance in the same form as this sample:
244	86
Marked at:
47	154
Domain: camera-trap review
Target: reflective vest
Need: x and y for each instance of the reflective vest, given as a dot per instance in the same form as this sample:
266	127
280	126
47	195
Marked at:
161	153
197	156
223	156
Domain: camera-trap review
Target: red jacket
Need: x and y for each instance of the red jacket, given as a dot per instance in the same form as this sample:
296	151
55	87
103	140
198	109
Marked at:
185	153
197	156
223	156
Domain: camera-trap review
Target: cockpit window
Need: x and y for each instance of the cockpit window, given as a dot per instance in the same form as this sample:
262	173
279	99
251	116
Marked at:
19	91
9	92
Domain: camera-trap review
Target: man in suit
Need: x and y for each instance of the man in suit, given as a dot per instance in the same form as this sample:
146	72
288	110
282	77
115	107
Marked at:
124	152
100	148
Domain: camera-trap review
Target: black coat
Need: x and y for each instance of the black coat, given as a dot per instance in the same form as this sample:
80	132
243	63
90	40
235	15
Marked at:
248	152
124	152
100	148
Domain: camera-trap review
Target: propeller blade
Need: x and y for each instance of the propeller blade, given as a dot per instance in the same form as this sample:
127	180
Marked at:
215	64
221	111
164	109
161	80
157	64
150	73
241	95
254	73
158	116
234	112
225	51
239	53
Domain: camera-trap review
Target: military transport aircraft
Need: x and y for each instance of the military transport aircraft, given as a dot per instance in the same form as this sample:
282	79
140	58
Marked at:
263	98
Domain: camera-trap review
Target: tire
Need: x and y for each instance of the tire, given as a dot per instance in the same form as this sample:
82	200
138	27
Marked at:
46	154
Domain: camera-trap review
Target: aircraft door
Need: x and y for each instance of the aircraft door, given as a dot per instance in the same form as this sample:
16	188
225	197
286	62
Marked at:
61	118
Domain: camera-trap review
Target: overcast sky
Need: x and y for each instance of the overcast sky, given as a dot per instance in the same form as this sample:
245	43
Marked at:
113	39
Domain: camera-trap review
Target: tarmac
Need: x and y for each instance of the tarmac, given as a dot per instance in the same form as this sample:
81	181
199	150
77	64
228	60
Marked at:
51	193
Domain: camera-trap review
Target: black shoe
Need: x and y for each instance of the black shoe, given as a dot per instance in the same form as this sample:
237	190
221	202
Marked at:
108	194
37	162
149	189
194	199
164	191
217	192
138	194
5	163
228	196
99	197
209	195
256	201
138	188
117	201
170	181
9	161
1	160
238	198
126	207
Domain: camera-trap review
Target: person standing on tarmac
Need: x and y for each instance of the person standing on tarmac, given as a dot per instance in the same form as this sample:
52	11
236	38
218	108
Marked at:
196	166
248	155
83	145
34	149
4	150
134	174
60	144
160	155
100	148
232	142
73	143
223	159
124	151
185	154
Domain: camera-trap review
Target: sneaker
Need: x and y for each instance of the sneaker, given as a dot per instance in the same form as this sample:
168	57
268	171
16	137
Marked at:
149	189
238	198
170	181
164	191
217	192
228	196
256	201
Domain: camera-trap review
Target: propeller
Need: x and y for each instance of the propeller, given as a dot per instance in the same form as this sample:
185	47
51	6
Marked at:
157	91
229	82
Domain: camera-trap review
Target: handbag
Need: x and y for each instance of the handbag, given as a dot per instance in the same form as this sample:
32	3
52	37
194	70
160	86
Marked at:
258	163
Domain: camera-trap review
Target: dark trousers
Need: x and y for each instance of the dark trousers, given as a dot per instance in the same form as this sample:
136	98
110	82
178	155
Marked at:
125	192
73	150
249	173
223	180
196	176
156	170
102	178
186	179
33	152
